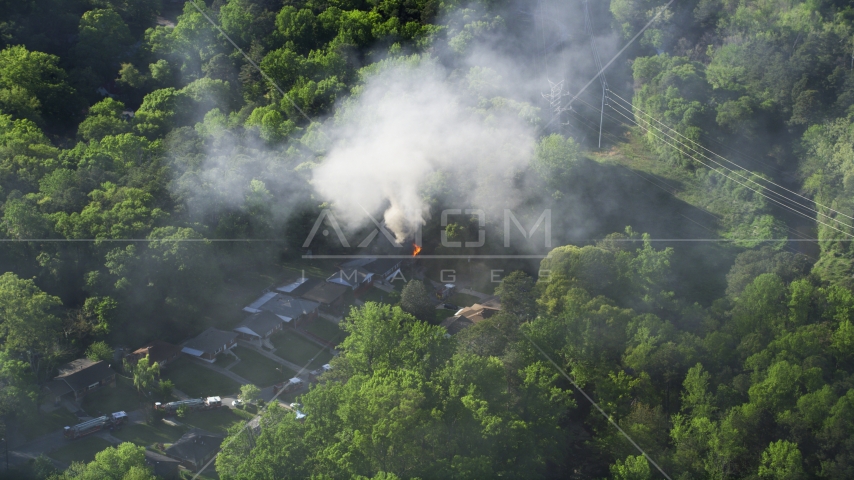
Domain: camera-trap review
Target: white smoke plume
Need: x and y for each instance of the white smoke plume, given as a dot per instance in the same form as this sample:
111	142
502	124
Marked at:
408	122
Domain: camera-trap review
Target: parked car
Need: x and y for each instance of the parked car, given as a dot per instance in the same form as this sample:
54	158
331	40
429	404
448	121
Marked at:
237	403
448	306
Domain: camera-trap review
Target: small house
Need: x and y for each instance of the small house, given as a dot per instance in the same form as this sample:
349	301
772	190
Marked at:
79	377
328	295
163	466
259	326
209	344
357	278
290	310
468	316
384	269
195	448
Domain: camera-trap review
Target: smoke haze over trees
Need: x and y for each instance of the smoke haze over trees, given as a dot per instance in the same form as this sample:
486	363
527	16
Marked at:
697	284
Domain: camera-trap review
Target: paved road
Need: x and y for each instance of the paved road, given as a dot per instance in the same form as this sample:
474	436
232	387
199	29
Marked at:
55	440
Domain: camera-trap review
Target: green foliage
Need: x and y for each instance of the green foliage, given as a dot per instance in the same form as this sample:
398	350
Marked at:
554	160
144	374
124	462
416	301
396	403
99	351
249	393
28	327
103	37
33	86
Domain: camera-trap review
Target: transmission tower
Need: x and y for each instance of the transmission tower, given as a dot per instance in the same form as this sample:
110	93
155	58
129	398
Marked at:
588	24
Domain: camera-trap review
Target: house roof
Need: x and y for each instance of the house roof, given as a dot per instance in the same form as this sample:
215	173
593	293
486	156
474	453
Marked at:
195	446
162	465
157	351
259	324
210	340
298	286
287	307
57	388
476	312
325	293
382	266
255	306
469	316
350	277
81	373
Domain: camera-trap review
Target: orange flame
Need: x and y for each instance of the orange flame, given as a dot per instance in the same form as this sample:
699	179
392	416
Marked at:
416	250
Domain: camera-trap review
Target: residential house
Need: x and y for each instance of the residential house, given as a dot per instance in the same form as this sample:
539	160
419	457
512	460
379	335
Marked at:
195	448
209	344
158	351
163	466
468	316
293	311
357	278
79	377
384	269
330	296
298	287
259	326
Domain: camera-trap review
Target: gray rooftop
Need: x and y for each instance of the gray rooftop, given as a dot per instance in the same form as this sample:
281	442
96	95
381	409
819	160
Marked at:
210	340
287	306
261	322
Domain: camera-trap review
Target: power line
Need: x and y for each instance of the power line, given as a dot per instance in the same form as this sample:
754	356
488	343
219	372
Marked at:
734	180
733	163
601	70
592	402
684	145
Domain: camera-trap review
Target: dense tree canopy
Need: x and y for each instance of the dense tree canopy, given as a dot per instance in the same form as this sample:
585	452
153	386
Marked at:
146	165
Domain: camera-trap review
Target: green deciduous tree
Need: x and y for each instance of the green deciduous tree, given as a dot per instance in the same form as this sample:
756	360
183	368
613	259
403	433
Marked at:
124	462
249	393
99	351
103	37
416	301
144	373
33	86
27	324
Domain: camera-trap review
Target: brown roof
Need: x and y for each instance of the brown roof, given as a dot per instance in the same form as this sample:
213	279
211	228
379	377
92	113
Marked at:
477	312
469	316
157	351
325	292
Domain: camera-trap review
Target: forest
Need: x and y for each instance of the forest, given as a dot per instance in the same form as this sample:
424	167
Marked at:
692	317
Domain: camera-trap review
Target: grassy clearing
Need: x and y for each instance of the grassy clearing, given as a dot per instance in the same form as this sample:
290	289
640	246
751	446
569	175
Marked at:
82	450
145	435
215	421
107	400
326	330
259	369
294	348
47	422
380	296
198	381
